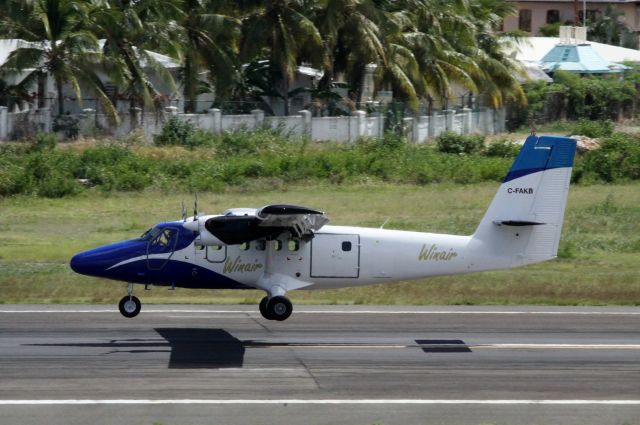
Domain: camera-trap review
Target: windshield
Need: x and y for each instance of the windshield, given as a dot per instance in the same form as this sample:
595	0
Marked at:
151	233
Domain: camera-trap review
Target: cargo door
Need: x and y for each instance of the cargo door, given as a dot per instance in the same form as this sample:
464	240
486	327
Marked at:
335	256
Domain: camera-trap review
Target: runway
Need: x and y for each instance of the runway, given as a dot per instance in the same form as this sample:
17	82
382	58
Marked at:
325	365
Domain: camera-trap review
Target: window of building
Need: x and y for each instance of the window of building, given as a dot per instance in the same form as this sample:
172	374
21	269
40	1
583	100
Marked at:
524	20
553	16
592	15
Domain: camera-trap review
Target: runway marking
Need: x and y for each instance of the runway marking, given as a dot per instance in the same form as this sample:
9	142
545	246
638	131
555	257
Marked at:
384	312
316	402
444	346
560	346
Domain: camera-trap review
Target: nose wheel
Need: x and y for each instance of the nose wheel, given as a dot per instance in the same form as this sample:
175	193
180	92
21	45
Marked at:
129	305
277	308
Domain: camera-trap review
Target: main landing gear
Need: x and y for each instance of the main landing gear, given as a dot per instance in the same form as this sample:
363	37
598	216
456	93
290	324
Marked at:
129	305
277	308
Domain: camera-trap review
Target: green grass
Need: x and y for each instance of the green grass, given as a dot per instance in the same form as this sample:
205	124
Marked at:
600	246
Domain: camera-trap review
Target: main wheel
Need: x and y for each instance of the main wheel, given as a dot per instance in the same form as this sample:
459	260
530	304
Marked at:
279	308
129	306
263	308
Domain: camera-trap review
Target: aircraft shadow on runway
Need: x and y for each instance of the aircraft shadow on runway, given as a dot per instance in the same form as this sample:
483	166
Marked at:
203	348
190	348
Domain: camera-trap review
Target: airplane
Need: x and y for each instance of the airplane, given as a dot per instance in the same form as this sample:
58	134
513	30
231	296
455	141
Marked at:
280	248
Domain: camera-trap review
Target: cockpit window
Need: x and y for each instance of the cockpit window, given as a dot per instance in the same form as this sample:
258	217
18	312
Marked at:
151	233
163	238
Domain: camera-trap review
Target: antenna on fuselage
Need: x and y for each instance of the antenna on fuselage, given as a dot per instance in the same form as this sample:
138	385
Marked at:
195	207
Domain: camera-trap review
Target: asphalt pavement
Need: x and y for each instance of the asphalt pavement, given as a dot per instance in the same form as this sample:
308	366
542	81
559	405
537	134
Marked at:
325	365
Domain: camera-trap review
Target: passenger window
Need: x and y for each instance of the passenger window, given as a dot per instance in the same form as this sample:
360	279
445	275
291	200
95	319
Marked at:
293	245
244	246
277	245
346	246
215	247
261	245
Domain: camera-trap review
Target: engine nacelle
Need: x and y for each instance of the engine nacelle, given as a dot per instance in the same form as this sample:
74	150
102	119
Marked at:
205	238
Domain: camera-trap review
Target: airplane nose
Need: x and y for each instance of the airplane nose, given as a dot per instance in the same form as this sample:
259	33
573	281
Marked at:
97	262
80	264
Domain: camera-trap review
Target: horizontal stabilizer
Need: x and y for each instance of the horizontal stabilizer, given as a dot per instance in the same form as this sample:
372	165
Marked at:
516	223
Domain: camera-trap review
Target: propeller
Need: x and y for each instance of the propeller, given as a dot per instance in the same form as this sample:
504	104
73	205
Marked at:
184	212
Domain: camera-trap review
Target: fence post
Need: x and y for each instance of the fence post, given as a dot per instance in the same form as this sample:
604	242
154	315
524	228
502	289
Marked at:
448	119
501	120
4	122
306	122
258	116
466	120
136	117
357	125
216	115
487	120
87	121
431	131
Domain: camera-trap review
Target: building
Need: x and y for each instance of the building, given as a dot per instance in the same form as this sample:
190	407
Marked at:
533	14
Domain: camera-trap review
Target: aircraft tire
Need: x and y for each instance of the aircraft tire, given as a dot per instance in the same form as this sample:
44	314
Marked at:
263	308
130	306
279	308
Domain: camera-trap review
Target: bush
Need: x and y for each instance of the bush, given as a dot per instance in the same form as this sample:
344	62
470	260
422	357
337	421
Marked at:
618	158
503	149
450	142
592	128
43	141
177	132
58	185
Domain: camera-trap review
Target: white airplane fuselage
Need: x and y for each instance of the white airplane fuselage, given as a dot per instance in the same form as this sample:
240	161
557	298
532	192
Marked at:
280	248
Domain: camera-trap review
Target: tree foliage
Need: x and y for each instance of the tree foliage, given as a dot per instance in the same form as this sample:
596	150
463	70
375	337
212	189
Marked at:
421	48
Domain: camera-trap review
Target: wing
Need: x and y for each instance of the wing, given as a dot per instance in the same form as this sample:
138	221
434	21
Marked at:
267	222
300	221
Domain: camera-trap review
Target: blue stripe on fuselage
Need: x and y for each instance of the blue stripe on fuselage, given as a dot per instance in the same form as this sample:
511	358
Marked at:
173	272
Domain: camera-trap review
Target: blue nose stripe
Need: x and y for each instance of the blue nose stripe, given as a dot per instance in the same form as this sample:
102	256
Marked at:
95	262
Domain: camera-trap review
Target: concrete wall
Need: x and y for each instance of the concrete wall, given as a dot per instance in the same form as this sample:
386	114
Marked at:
341	129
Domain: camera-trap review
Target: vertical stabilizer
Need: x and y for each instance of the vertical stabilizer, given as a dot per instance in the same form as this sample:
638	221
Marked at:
524	221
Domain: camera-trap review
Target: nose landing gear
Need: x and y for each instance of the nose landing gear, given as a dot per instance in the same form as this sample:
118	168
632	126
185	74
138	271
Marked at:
277	308
129	305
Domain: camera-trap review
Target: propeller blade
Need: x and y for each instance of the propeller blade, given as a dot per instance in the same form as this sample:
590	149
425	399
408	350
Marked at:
184	212
195	207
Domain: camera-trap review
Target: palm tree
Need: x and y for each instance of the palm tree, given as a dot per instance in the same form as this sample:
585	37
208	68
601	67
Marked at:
352	39
497	80
128	27
61	44
281	30
421	63
208	41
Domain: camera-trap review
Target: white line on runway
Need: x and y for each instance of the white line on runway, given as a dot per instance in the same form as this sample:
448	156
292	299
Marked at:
320	401
251	312
513	346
